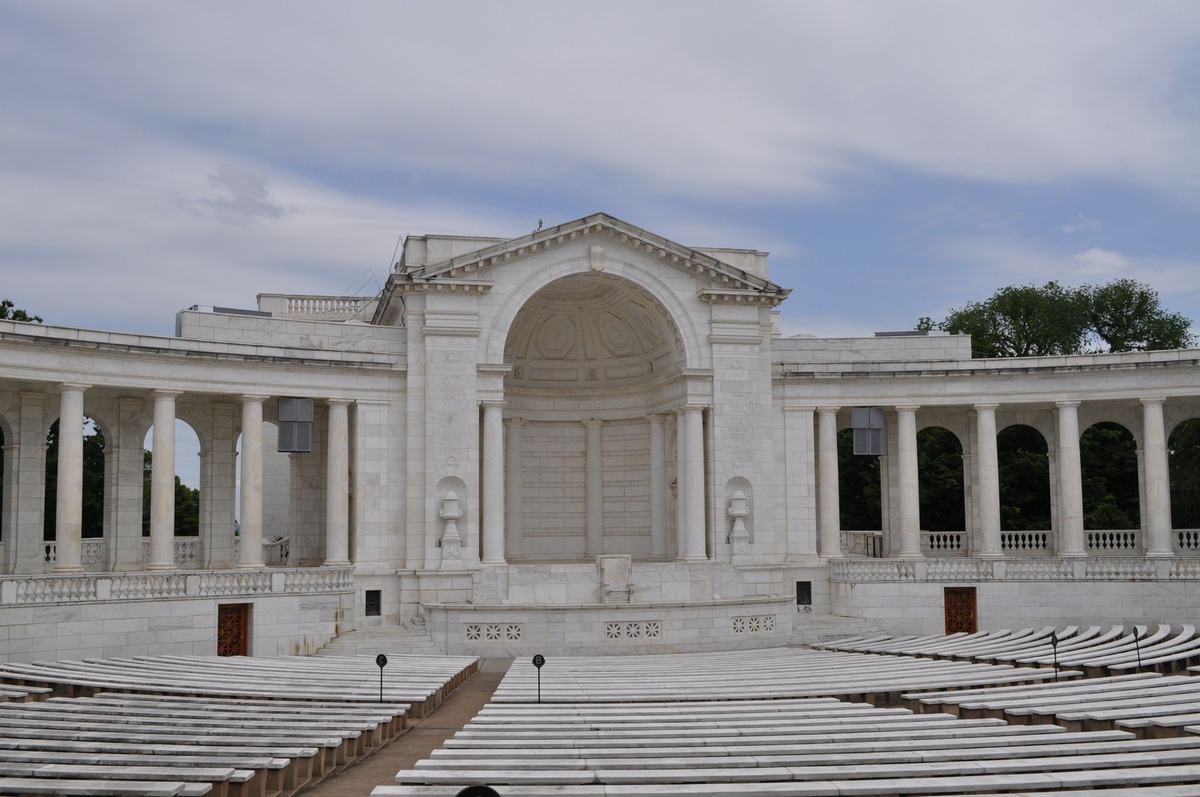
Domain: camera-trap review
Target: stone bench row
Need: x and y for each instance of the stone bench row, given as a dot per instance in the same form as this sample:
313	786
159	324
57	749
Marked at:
423	681
1098	652
1154	707
830	789
870	751
769	673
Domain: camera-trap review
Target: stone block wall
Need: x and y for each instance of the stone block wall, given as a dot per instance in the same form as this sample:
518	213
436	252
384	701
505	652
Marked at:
627	487
554	488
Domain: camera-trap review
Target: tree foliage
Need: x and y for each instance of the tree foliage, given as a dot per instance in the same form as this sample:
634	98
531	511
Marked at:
1183	454
9	312
187	502
1028	321
93	481
940	480
861	508
1024	479
1108	454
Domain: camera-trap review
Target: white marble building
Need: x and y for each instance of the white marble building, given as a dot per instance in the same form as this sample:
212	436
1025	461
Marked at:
587	438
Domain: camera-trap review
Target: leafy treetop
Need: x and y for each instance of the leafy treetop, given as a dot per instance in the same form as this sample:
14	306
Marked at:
8	313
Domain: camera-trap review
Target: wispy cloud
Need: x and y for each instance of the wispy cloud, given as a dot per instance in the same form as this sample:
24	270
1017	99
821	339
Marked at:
1080	222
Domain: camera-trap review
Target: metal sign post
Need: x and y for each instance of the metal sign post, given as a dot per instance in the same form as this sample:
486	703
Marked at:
381	660
1054	644
538	661
1137	645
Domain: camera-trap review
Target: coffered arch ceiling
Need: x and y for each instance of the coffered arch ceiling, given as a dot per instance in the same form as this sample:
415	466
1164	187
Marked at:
594	333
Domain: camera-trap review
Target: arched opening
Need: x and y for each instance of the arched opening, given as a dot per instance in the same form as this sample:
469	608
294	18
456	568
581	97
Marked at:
93	481
590	353
1108	456
1183	457
187	480
1024	460
859	490
940	480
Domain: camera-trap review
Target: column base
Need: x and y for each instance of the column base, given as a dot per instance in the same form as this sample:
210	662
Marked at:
989	555
252	566
903	555
493	562
692	559
337	563
161	567
1160	554
1073	555
68	569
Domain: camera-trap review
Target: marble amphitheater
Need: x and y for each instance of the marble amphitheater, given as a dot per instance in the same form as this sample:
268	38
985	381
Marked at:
582	442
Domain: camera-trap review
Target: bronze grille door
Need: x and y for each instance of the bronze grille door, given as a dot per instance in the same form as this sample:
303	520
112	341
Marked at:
960	610
233	629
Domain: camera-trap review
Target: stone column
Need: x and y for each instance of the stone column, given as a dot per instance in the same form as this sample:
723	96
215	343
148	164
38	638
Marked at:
514	517
680	487
595	489
693	477
1158	485
988	462
337	483
69	513
250	524
910	495
25	501
493	484
658	489
162	484
1070	482
829	518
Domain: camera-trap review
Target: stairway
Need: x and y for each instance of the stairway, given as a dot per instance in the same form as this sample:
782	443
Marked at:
809	629
387	639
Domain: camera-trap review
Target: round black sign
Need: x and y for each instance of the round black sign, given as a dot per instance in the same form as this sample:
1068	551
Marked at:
478	791
381	660
539	660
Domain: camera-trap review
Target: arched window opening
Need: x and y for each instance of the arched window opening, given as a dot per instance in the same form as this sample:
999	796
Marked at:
1024	461
1108	455
1183	457
93	481
187	480
940	476
859	498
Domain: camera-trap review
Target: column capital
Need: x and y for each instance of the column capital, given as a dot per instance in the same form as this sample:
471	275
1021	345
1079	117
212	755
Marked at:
1153	400
985	406
592	423
63	387
253	398
827	410
163	393
1067	403
906	407
514	421
691	408
345	402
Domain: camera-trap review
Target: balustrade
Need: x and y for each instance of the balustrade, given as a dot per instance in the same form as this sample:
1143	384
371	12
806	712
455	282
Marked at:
944	543
1122	542
1189	541
1016	543
1048	568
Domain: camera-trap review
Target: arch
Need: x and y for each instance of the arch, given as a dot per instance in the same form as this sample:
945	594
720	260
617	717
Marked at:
1108	454
1183	458
940	480
694	353
860	495
1023	456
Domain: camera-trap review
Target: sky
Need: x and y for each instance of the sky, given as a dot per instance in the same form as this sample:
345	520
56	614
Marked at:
896	159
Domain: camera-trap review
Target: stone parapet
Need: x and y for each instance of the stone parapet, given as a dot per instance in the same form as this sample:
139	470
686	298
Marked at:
1048	568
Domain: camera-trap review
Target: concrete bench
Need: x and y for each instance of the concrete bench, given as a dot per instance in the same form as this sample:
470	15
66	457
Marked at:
223	781
64	787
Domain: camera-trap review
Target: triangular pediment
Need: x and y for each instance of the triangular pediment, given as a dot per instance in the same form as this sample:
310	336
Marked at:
719	280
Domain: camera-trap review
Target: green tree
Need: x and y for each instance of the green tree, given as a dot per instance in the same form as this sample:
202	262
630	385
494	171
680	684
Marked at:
9	312
1183	454
858	487
1108	454
940	479
93	481
1126	315
1024	479
187	502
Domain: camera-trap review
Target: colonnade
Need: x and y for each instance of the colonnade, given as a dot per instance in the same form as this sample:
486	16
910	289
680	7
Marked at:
1071	537
69	501
503	493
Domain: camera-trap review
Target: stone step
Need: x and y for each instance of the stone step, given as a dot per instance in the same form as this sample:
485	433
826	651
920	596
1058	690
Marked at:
810	629
380	639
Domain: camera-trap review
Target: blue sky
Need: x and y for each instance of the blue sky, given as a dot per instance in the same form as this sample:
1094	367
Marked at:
896	159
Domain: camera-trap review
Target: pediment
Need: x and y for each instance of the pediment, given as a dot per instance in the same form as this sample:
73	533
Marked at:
716	280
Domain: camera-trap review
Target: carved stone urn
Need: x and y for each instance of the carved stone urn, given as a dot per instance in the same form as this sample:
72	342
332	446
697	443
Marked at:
450	512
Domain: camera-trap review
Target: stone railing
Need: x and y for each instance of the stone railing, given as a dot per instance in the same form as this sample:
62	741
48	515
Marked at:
57	589
1120	543
1018	543
188	553
317	308
1187	541
1049	568
944	543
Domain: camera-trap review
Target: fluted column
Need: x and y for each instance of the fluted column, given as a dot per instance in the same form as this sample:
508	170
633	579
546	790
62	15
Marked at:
658	489
514	485
1158	485
250	523
162	484
693	476
594	489
68	532
493	484
337	483
910	494
988	462
1070	482
829	502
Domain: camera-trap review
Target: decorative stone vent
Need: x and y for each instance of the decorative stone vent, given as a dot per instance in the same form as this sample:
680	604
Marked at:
494	632
636	629
754	625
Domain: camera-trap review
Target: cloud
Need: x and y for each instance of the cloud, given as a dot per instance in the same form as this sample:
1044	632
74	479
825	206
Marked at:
242	197
1081	222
